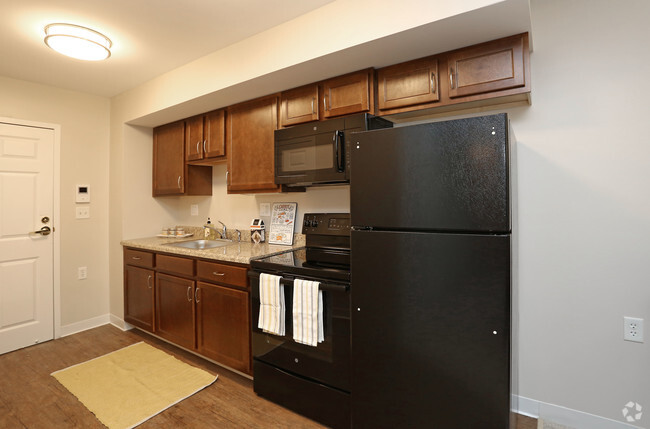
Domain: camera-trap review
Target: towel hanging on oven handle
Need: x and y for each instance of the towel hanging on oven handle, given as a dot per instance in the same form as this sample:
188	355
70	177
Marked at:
333	287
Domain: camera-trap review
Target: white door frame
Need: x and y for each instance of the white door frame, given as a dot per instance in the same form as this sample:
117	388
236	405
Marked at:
56	216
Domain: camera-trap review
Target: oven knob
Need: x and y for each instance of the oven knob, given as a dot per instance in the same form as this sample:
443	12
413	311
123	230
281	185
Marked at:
314	223
295	360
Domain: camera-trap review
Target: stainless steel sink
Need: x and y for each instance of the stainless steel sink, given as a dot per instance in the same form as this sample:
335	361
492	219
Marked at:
201	244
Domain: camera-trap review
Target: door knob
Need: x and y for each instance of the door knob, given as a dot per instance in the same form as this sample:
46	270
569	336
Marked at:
44	231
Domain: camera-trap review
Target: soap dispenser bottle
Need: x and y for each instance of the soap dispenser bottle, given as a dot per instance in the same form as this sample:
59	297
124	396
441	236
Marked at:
207	230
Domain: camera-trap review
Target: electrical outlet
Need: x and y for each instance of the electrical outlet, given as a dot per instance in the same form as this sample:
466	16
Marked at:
265	209
83	212
82	273
633	329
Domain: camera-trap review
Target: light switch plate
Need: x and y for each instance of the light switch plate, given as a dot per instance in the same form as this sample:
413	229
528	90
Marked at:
265	209
194	210
83	212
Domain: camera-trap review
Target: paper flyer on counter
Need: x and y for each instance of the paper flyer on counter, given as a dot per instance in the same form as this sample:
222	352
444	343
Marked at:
283	220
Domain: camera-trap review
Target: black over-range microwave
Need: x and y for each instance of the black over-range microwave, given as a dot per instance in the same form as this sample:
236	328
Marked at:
318	153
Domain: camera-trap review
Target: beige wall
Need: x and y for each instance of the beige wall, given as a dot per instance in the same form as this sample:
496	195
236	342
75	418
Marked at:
84	121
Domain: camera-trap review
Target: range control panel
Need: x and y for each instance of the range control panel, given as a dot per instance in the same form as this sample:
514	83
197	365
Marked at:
326	223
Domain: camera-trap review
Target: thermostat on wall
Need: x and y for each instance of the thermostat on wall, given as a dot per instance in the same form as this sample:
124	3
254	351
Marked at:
83	194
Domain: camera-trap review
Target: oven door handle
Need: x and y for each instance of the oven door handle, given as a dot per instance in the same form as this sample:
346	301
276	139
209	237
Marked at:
333	287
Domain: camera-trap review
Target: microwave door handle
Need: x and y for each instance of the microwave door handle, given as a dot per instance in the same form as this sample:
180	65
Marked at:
338	149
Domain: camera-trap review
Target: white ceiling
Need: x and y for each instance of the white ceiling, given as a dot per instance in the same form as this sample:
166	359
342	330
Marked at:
150	37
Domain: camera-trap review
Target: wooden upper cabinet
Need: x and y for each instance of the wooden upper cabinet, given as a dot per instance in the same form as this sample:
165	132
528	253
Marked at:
205	136
408	84
214	134
169	159
493	66
299	105
171	175
348	94
251	158
194	138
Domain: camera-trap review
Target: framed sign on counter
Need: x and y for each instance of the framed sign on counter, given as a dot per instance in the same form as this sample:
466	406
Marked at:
283	221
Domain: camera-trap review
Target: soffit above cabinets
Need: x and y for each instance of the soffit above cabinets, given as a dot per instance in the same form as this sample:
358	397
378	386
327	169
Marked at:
301	61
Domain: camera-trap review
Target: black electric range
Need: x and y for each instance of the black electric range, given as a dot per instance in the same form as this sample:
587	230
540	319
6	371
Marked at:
312	381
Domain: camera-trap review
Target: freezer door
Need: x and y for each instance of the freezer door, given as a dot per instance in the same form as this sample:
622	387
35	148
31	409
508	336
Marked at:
443	176
430	330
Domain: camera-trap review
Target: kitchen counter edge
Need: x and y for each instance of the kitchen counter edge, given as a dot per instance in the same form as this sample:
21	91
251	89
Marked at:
239	252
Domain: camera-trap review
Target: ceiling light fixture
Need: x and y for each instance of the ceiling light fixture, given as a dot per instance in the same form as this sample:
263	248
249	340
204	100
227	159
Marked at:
78	42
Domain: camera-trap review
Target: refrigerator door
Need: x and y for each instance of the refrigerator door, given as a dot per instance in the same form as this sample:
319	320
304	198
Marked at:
430	330
443	176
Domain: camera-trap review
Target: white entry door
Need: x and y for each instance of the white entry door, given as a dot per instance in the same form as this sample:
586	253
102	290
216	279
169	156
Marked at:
26	248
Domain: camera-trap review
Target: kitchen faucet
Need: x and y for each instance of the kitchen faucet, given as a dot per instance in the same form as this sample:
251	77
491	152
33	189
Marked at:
224	232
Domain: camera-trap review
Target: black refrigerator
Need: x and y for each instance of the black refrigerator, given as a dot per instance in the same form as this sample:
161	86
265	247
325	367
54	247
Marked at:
431	268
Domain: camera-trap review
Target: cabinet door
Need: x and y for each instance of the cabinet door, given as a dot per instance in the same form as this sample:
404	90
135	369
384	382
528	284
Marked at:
348	94
299	105
169	159
175	309
214	134
223	325
194	138
488	67
408	84
251	163
139	297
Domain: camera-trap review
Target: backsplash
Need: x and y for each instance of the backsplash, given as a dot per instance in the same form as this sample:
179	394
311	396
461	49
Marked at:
197	233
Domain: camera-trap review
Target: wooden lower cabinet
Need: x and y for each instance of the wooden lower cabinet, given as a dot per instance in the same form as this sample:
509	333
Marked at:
199	305
223	325
175	309
139	297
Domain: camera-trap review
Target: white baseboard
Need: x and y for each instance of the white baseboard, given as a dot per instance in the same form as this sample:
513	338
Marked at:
84	325
567	416
118	322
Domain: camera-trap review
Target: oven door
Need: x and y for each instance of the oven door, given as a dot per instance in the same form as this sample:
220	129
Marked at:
329	362
313	159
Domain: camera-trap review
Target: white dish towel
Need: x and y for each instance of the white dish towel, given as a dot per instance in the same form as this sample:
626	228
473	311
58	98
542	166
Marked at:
272	311
307	312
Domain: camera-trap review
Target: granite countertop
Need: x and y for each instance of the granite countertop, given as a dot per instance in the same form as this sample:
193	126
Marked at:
241	252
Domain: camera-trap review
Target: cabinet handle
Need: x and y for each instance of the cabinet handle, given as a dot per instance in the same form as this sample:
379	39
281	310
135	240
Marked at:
204	146
136	258
179	182
451	78
312	105
227	172
149	282
198	146
325	103
433	82
189	293
218	274
197	295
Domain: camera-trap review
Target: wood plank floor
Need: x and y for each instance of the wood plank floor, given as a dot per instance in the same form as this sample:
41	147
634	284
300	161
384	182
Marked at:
31	398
